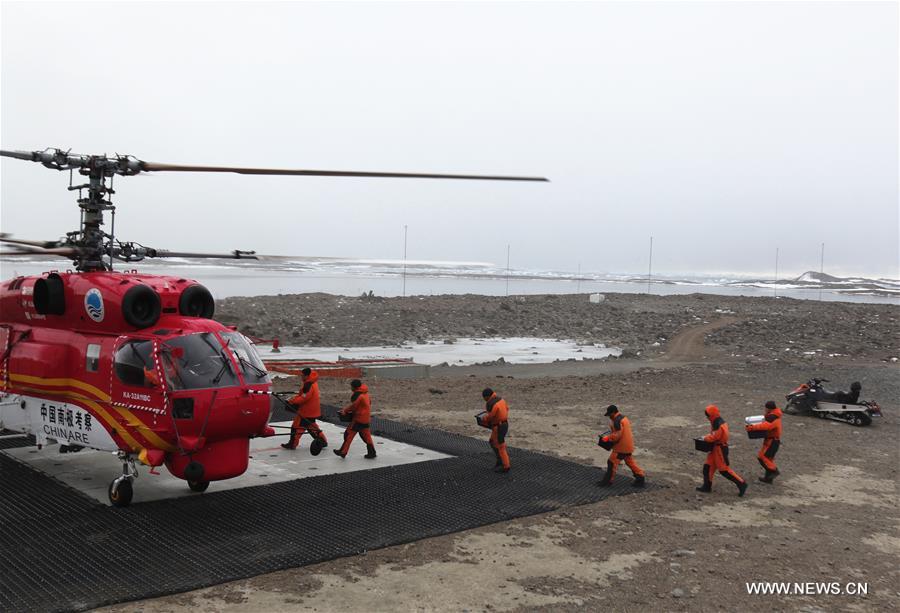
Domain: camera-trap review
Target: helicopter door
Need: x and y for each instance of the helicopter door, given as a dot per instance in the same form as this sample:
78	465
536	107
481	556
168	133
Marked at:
136	383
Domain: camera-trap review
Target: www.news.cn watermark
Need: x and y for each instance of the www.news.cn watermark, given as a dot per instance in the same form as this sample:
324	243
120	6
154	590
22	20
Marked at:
807	588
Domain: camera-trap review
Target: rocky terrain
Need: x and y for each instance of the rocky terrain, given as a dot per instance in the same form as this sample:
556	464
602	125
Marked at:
640	324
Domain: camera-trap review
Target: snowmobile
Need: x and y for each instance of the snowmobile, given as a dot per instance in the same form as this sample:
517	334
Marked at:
812	398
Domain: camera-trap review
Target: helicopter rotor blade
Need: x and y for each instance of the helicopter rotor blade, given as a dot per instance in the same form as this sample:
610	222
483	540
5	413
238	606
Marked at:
155	167
7	238
237	254
14	254
20	155
129	166
33	250
135	252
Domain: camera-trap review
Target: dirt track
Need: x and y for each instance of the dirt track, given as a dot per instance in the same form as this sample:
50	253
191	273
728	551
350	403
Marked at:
690	345
833	515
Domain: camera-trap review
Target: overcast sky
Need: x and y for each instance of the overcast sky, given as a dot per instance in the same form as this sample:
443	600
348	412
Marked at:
724	130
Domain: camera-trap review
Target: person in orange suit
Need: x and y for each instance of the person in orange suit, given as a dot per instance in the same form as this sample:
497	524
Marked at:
150	378
623	448
717	459
772	427
309	409
497	419
359	410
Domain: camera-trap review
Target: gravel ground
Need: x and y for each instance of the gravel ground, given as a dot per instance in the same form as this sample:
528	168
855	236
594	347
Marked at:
769	327
832	516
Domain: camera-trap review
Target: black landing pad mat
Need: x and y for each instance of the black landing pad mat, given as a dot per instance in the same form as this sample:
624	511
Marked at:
62	551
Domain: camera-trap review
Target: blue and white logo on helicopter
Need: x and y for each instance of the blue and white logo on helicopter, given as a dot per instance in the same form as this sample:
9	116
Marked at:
93	304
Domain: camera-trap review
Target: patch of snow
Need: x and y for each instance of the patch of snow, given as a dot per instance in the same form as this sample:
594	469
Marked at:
465	351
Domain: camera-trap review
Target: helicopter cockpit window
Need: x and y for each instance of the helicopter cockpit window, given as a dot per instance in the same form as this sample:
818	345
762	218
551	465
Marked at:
197	361
251	365
134	364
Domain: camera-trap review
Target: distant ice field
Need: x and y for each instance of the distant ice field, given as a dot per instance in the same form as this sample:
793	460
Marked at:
291	275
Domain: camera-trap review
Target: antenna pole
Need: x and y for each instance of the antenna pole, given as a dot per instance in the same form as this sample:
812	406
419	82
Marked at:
404	260
821	270
775	287
650	266
507	270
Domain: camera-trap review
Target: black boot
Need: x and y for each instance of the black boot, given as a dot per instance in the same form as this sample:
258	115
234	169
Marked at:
707	480
499	462
291	444
606	481
371	455
339	453
639	481
770	476
741	485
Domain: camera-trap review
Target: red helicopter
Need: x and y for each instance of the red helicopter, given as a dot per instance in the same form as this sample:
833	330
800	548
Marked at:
132	363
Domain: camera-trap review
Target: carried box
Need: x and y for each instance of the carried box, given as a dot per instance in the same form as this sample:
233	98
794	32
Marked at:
608	445
701	445
752	421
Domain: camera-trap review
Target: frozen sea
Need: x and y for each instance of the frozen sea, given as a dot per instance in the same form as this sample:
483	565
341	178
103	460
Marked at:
351	277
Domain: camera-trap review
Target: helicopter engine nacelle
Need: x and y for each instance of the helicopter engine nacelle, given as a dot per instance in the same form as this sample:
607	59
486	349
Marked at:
49	295
111	302
196	301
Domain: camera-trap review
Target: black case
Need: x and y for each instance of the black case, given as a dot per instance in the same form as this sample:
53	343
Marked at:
701	445
607	445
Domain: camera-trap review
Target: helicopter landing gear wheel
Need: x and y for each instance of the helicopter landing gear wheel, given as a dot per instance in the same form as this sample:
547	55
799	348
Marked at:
121	491
198	486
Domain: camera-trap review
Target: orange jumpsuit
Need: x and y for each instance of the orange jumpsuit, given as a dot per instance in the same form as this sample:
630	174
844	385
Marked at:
717	459
497	419
623	449
150	378
309	409
360	408
766	456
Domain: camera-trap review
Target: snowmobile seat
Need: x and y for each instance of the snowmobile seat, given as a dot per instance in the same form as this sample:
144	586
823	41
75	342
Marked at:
851	397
